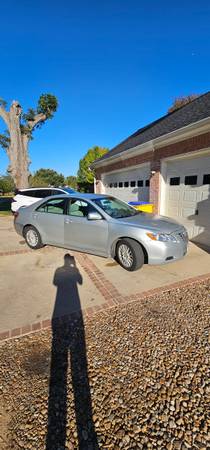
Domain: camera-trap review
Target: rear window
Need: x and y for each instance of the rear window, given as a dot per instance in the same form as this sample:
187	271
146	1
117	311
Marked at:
37	193
42	193
28	193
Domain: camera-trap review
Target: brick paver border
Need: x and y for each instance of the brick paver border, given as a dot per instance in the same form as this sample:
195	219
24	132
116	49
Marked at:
112	297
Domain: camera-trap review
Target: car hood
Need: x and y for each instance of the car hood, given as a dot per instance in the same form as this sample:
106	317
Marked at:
152	222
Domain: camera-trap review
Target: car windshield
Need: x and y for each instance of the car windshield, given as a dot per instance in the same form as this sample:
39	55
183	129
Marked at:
115	208
69	190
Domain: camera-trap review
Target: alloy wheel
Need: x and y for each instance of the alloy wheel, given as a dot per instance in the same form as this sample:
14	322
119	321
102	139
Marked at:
125	255
32	238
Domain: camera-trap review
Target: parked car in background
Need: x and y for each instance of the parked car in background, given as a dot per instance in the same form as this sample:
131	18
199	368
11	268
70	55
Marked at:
26	197
104	226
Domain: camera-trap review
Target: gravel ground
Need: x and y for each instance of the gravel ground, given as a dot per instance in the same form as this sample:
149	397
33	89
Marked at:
137	377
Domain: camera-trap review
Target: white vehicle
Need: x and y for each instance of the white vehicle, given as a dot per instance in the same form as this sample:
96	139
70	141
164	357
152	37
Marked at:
26	197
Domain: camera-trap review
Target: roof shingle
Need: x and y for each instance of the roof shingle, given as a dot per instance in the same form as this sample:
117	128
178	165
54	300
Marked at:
194	111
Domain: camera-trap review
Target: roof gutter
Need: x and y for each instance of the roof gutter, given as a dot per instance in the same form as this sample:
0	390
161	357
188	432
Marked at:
183	133
138	150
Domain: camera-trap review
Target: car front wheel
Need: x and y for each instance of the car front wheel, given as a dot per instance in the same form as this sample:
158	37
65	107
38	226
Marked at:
129	254
32	237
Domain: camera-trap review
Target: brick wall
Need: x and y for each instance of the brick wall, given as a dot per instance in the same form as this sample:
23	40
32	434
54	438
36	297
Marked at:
134	161
186	146
154	191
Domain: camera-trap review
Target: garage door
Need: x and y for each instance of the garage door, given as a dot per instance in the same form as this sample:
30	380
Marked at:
130	185
188	196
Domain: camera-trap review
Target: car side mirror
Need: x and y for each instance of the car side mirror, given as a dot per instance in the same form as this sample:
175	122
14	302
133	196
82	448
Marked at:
94	216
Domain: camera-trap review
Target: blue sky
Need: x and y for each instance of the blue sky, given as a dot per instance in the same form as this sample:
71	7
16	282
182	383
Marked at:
114	65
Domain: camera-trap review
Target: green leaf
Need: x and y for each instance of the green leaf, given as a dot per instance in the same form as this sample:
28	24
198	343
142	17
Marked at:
85	175
47	177
47	105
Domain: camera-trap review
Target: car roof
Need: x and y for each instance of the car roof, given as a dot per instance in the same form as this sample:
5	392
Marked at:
81	196
41	188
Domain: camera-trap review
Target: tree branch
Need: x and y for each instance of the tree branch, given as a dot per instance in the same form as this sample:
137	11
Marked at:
5	116
37	119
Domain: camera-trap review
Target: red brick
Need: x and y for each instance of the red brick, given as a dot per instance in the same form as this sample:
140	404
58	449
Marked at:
46	323
89	311
26	329
16	332
4	335
140	159
186	146
36	326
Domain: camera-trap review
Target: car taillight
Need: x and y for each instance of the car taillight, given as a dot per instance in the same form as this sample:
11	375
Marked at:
16	214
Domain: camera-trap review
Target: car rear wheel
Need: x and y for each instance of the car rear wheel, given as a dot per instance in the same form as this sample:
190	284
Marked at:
129	254
32	237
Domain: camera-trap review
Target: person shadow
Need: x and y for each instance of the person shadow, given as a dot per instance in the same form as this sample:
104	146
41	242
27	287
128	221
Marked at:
68	354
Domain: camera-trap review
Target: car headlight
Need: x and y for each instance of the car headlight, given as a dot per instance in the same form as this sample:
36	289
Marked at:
162	237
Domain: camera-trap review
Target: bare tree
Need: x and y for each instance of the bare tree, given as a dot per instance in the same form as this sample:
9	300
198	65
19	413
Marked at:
19	131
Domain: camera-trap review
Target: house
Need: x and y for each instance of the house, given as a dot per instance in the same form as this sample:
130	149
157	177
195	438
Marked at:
166	163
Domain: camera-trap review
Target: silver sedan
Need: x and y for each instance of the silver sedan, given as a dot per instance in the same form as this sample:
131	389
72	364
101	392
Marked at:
102	225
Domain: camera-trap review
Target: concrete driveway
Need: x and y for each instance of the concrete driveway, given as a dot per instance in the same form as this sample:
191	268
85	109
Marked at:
31	282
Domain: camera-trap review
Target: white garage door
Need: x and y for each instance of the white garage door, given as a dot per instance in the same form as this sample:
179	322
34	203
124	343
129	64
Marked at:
130	185
188	196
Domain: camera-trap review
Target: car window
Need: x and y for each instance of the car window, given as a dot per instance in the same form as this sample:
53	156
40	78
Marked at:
56	192
115	208
28	193
42	193
56	206
78	208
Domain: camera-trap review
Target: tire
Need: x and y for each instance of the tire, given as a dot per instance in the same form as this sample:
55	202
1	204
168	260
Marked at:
32	237
129	254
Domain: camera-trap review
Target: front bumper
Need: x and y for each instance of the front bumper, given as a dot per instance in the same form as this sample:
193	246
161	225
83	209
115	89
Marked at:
165	252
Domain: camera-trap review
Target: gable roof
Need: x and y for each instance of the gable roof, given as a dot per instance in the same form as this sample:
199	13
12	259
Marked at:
194	111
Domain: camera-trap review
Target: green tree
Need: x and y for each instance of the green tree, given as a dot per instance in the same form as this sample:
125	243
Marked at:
20	128
47	177
181	101
71	181
84	174
6	184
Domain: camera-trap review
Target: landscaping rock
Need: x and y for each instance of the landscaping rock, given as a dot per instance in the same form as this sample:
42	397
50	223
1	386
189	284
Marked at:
137	377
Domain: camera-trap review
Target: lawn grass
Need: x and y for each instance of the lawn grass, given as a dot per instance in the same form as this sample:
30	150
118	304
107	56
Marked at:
5	213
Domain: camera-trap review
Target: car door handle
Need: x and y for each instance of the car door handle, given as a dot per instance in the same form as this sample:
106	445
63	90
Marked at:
68	221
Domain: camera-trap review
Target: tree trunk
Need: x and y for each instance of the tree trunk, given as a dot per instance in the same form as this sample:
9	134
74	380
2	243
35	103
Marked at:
19	138
18	150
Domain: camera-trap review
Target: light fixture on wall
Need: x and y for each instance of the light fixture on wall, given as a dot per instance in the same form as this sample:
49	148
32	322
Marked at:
153	172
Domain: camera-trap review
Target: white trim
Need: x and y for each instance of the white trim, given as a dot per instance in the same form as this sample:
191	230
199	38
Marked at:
188	155
126	169
195	128
126	154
